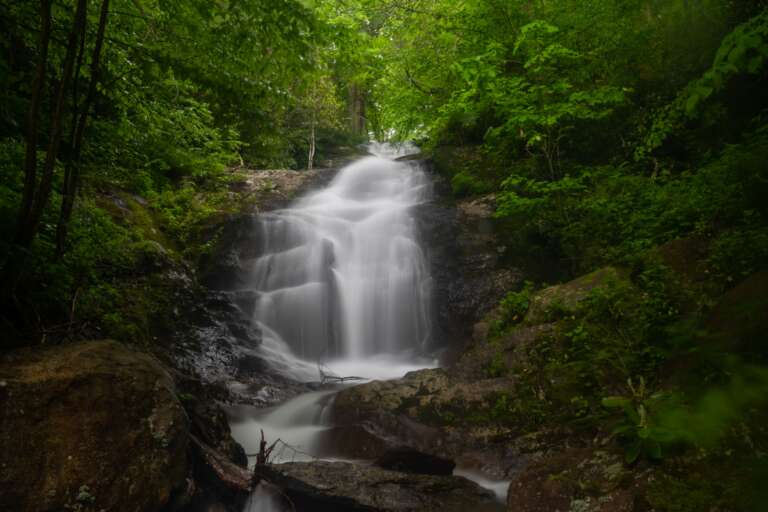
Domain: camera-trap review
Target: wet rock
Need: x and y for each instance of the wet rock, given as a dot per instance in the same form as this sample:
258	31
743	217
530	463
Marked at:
408	460
219	346
341	486
92	425
462	245
359	441
218	478
426	410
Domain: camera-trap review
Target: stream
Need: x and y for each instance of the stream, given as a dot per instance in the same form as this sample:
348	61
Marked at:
343	287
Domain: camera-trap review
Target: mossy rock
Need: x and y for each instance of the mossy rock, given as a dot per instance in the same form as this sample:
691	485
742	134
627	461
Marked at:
95	425
578	480
564	298
739	321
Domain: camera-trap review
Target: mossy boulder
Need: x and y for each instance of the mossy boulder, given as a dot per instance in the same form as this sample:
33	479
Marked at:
90	426
323	486
579	480
739	321
565	298
429	410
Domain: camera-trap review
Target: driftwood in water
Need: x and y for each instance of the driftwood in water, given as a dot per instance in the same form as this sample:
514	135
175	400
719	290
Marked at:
264	452
326	376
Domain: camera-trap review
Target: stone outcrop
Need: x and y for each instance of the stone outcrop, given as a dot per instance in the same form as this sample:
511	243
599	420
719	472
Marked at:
463	411
566	297
463	248
421	410
580	480
90	426
341	487
408	460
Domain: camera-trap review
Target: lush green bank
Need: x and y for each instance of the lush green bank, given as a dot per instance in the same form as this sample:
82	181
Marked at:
629	134
120	123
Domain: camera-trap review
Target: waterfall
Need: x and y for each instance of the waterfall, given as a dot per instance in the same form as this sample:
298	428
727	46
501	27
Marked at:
342	275
341	280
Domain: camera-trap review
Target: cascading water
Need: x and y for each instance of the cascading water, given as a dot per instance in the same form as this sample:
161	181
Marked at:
342	275
343	282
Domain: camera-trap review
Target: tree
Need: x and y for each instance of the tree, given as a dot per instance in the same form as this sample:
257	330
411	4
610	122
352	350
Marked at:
79	120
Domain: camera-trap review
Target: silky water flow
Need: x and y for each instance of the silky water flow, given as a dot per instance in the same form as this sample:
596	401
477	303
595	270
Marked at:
342	285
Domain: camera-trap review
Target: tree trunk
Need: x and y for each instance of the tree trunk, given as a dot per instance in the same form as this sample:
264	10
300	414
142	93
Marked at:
30	228
72	169
311	156
30	157
356	110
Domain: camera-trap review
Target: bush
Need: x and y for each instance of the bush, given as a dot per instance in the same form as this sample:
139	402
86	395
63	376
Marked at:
465	184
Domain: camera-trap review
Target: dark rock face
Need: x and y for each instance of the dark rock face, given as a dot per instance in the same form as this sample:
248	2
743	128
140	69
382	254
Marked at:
93	425
341	487
464	252
219	343
739	321
239	236
408	460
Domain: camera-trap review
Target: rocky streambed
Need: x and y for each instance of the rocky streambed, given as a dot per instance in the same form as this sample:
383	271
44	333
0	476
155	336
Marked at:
100	425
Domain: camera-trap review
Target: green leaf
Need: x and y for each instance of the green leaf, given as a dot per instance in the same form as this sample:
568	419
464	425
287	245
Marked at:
654	449
633	451
616	401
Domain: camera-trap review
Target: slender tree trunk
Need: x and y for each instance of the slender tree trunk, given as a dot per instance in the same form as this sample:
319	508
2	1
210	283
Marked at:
72	169
68	167
356	110
311	157
30	228
33	115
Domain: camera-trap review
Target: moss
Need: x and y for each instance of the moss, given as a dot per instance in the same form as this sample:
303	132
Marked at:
672	494
497	367
465	184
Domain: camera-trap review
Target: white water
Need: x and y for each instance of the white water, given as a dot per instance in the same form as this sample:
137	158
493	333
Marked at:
343	282
265	498
342	274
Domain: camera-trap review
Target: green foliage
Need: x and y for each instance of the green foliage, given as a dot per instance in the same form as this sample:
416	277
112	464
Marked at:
607	214
186	89
640	427
515	304
512	308
743	51
717	409
465	184
497	367
739	253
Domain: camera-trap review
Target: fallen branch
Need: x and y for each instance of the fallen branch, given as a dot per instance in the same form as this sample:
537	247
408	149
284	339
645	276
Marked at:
327	376
264	452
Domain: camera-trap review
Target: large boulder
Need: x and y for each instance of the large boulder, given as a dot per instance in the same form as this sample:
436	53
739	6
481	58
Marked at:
90	426
739	321
341	486
565	298
579	479
408	460
427	410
